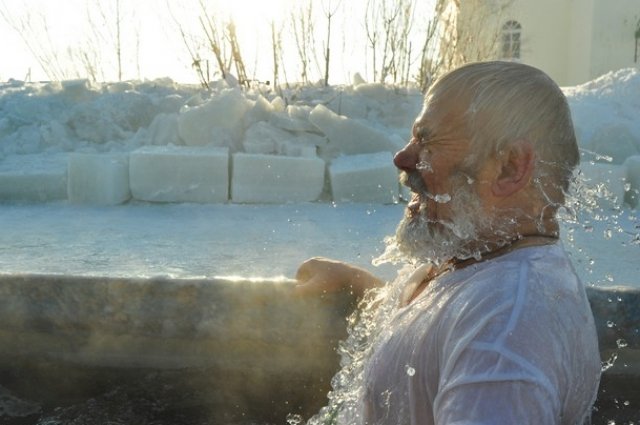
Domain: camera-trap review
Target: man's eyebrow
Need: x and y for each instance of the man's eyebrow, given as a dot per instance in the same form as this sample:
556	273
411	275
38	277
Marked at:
421	133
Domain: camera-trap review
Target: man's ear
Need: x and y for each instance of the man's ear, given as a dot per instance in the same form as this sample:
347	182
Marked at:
516	169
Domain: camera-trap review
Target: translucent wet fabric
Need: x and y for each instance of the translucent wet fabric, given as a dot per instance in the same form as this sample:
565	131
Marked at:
506	341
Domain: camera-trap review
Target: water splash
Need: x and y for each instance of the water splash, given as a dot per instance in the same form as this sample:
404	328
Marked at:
608	364
293	419
424	166
410	371
442	199
593	216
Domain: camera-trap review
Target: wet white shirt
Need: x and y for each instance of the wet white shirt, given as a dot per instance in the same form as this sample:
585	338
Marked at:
506	341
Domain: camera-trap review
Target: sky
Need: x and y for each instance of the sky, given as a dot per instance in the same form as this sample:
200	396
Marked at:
152	46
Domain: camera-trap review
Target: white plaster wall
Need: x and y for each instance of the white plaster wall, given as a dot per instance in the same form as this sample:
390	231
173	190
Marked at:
545	34
574	41
613	35
580	41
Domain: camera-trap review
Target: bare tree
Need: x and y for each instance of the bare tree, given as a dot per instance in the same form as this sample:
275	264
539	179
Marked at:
210	25
107	30
389	16
459	32
303	31
370	21
33	29
236	55
328	13
118	41
221	39
388	24
197	63
401	71
276	46
470	31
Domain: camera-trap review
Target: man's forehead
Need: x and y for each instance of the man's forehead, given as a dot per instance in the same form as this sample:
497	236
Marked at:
435	115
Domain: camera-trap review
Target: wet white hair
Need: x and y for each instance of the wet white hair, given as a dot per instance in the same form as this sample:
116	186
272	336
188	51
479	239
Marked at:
507	102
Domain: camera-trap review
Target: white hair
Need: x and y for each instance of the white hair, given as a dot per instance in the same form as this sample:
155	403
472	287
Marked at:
509	102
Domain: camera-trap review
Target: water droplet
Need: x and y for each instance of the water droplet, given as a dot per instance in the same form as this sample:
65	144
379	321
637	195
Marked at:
424	166
410	371
609	363
610	324
608	233
442	199
621	343
294	419
609	277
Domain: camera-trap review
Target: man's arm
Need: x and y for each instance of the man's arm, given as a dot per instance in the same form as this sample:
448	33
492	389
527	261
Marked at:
321	276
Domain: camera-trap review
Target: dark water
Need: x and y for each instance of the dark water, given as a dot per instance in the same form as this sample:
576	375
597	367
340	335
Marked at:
54	394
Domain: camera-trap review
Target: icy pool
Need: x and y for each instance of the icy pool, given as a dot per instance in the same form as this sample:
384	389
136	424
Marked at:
251	241
175	277
187	240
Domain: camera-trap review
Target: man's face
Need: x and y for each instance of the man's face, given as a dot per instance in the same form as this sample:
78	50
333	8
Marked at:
445	213
435	153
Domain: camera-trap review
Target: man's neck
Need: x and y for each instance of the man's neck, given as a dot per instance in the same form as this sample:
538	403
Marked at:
498	250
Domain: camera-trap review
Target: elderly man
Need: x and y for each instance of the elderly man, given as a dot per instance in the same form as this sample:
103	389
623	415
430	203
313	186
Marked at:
492	325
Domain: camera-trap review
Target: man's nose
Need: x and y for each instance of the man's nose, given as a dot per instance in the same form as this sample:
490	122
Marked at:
407	158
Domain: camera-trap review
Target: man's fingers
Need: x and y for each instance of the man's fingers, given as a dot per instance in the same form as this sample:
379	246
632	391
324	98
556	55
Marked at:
306	270
315	285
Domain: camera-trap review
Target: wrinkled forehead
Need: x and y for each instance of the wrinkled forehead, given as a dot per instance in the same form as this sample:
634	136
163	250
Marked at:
444	109
449	93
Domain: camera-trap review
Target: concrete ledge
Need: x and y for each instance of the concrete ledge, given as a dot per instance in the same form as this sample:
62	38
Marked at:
616	310
171	323
168	323
235	349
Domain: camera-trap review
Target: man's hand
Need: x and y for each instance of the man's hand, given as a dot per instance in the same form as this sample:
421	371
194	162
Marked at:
318	276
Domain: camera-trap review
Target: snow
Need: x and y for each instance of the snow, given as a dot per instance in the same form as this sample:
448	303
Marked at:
64	146
101	179
216	122
179	174
275	179
605	112
364	178
35	178
349	136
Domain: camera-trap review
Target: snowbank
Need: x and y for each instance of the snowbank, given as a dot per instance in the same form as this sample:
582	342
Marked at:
41	122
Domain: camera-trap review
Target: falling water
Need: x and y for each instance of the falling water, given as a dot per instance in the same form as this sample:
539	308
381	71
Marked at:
592	210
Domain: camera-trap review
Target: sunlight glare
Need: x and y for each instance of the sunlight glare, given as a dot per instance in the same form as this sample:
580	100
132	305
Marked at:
247	13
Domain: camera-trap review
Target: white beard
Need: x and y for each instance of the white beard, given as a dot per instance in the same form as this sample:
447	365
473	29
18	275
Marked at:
419	239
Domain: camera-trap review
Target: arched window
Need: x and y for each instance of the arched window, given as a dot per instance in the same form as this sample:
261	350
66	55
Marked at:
511	36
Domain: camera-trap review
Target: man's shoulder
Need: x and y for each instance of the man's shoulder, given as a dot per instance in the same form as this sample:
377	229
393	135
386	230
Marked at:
544	274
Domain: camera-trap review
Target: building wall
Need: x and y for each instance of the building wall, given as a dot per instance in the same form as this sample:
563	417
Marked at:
574	41
612	37
545	34
580	41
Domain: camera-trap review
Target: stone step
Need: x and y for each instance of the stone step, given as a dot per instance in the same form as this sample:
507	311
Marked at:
165	322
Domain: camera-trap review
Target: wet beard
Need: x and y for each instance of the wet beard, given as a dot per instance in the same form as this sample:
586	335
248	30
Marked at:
419	239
